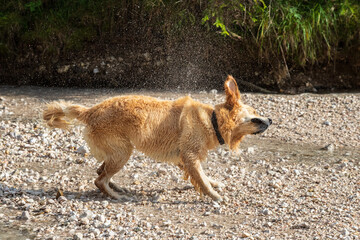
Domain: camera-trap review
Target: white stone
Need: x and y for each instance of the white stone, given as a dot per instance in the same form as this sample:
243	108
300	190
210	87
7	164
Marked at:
25	215
167	223
96	70
250	150
266	211
82	150
87	214
78	236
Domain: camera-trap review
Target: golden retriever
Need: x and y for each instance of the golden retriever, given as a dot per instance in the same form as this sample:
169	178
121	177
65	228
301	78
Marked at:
179	132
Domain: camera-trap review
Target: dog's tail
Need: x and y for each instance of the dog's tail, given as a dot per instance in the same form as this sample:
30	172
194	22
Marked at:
57	113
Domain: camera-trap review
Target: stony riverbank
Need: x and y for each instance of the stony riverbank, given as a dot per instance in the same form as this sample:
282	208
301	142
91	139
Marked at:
298	180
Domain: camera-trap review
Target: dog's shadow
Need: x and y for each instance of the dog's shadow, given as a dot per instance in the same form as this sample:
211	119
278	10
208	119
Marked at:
136	197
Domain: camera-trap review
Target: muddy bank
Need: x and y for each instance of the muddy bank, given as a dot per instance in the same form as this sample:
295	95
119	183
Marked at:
195	60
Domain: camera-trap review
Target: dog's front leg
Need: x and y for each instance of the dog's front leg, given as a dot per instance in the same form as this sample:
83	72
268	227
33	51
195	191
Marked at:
214	184
198	178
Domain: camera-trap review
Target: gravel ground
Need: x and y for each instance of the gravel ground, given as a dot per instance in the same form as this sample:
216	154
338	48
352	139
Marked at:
298	180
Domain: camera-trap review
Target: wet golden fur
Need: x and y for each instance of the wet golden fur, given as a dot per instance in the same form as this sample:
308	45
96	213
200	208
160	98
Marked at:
178	132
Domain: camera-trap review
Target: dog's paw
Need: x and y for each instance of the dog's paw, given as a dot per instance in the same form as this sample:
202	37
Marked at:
217	199
215	196
116	188
216	184
219	185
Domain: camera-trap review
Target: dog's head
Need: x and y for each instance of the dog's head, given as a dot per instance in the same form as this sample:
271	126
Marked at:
237	119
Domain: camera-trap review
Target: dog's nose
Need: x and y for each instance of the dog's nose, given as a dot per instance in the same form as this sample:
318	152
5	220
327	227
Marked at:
259	121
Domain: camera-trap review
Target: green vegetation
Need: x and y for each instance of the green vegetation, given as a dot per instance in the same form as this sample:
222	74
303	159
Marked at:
295	32
52	26
55	25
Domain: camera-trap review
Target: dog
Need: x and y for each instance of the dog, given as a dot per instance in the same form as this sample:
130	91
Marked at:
179	132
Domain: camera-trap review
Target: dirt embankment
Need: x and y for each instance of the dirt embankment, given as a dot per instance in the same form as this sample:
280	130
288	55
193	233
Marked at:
194	60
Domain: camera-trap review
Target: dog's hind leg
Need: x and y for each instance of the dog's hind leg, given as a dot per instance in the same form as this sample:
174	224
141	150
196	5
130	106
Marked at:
100	169
111	184
112	164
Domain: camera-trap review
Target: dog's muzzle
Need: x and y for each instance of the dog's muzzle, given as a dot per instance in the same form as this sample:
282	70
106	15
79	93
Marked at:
262	124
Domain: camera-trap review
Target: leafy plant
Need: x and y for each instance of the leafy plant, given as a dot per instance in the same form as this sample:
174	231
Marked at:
33	6
295	32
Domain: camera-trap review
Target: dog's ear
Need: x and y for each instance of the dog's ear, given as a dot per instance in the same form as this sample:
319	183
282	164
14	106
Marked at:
232	92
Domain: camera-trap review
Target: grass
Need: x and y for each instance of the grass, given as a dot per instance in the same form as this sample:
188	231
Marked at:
296	33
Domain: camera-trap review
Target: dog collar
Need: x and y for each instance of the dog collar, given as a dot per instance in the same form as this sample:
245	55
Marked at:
216	128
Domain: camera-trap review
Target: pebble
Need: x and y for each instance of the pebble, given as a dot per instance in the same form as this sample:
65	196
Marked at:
327	123
73	218
266	211
329	147
78	236
207	213
82	150
12	134
62	199
245	235
147	56
275	183
87	214
156	198
268	224
104	203
111	234
167	223
250	150
101	218
85	221
96	232
32	141
216	204
162	171
25	215
301	226
345	232
284	205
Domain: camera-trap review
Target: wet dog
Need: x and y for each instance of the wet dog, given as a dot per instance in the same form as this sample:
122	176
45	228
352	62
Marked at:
179	132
